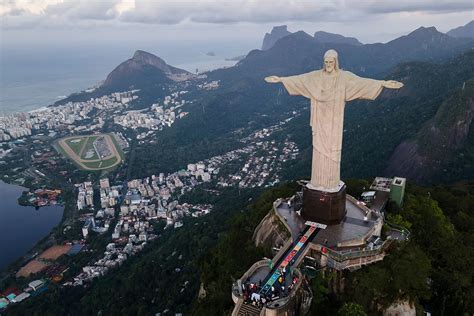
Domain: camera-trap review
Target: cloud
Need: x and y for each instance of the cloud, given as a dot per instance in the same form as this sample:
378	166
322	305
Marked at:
427	6
214	11
23	14
19	7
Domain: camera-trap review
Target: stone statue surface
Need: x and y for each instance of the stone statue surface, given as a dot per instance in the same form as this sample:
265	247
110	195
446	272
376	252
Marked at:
329	89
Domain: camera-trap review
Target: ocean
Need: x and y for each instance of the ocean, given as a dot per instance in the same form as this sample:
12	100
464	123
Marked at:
31	79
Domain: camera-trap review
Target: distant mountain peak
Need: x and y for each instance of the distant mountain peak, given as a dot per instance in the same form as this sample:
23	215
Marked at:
425	31
271	38
463	31
301	34
140	54
145	58
143	64
326	37
280	29
422	37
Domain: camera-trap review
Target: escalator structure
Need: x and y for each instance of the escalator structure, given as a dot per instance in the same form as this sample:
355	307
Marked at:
286	262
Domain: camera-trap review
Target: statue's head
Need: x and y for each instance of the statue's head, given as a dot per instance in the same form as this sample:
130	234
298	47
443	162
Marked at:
331	62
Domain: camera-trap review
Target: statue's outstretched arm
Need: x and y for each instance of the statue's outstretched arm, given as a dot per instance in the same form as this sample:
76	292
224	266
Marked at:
391	84
272	79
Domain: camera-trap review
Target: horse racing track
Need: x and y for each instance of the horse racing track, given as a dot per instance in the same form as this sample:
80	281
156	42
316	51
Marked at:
92	152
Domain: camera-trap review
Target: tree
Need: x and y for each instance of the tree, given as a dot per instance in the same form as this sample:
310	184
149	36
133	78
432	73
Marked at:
351	309
403	274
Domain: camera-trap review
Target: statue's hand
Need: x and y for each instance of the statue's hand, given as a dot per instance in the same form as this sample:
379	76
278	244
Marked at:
272	79
392	84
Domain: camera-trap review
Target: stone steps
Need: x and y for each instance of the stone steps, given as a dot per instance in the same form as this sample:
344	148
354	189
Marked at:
249	310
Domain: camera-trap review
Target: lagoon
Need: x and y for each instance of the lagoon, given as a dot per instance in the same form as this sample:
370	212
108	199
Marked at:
21	227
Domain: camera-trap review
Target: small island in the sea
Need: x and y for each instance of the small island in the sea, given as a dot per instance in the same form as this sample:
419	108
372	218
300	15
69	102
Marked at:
211	54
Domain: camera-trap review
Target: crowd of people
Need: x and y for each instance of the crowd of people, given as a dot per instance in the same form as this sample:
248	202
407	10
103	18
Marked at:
253	294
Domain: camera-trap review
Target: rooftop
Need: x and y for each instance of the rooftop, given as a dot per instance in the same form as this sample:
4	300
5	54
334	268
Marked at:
381	199
381	184
353	227
294	221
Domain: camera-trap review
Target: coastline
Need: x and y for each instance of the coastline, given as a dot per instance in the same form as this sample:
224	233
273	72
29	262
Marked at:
5	110
37	110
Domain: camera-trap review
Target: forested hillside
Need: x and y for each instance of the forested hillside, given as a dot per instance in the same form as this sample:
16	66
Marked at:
434	269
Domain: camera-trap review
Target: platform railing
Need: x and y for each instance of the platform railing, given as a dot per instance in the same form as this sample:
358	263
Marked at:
351	254
402	230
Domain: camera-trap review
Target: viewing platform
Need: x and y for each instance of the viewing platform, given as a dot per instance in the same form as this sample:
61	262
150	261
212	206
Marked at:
278	286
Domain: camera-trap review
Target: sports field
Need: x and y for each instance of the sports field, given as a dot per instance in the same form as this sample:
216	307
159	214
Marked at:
32	267
92	152
54	252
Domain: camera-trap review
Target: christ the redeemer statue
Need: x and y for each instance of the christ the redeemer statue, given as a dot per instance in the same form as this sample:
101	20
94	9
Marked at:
329	89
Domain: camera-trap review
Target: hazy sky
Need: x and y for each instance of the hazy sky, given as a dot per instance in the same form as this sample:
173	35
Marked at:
50	48
54	22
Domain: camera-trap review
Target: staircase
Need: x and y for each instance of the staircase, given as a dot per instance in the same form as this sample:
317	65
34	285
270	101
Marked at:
249	310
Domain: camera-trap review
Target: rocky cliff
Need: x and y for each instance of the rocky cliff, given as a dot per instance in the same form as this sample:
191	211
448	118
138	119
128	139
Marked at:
271	38
270	232
443	147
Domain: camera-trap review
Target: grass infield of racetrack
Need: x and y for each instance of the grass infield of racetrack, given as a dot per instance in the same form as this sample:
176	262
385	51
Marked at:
104	164
76	146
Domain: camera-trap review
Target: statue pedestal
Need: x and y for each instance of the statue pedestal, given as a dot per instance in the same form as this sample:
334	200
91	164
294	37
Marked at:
322	206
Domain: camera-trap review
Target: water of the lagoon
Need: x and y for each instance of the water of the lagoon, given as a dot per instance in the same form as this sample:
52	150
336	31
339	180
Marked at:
21	227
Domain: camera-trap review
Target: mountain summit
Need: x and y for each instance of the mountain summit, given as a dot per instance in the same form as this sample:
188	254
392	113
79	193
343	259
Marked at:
144	58
140	68
325	37
271	38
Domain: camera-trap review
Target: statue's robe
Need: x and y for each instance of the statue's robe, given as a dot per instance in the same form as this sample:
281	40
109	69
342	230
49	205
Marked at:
329	94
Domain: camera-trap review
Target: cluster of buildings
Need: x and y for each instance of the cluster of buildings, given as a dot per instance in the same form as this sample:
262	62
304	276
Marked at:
258	169
108	195
43	197
14	132
13	295
114	256
263	170
200	170
85	195
109	199
144	202
156	197
67	116
157	118
211	85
